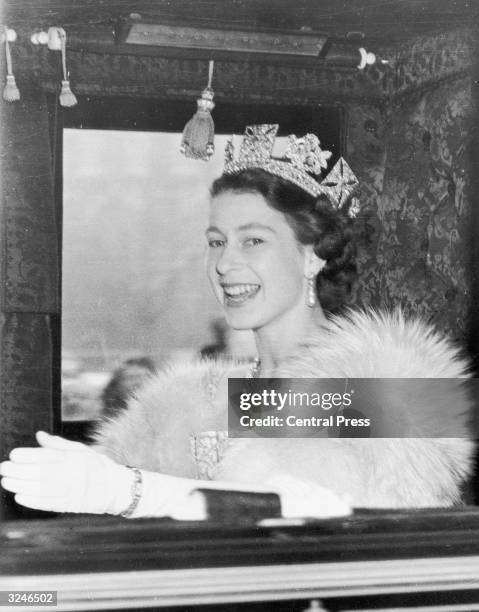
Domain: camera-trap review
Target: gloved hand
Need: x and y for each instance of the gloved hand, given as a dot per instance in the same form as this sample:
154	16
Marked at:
304	498
65	476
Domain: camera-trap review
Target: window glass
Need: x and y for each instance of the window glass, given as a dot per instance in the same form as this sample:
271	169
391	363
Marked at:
134	286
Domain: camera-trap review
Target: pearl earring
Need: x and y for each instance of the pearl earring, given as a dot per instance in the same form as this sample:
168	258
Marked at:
311	297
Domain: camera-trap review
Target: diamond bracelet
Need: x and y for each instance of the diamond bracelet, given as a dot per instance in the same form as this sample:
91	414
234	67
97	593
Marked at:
136	492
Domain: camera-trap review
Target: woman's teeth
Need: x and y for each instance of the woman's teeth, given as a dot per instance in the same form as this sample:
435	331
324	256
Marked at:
240	293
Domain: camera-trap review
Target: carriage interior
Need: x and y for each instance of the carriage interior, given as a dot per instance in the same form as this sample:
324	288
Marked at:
99	249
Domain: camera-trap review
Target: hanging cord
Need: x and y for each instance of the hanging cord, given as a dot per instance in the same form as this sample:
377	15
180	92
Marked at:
11	92
67	97
211	66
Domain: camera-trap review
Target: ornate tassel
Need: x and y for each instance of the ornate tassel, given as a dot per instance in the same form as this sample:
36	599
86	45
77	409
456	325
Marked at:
199	132
67	97
10	91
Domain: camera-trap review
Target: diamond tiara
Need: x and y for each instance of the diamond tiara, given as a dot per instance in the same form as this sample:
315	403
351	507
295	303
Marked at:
302	158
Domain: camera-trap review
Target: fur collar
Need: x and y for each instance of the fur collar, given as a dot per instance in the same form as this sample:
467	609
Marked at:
372	344
156	430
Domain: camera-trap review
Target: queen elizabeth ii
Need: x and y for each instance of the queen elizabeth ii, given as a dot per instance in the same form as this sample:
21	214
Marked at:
280	262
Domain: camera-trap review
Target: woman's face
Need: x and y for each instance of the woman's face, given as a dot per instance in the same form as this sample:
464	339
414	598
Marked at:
255	265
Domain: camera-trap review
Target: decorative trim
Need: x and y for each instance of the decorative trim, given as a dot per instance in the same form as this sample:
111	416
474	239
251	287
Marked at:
99	66
241	40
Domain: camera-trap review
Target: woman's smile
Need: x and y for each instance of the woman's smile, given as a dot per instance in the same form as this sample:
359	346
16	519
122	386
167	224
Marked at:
238	294
255	264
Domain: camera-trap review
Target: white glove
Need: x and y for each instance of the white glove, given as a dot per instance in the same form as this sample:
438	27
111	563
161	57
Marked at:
65	476
304	498
178	497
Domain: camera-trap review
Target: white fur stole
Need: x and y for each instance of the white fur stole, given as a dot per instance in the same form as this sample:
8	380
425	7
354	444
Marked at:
154	433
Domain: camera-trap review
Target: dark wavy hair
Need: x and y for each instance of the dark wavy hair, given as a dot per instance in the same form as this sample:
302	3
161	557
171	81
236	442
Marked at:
314	222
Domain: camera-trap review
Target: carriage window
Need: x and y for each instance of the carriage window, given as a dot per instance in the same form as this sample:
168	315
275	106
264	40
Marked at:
134	290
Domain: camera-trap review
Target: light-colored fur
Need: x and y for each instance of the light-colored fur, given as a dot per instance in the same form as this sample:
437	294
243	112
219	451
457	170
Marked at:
383	472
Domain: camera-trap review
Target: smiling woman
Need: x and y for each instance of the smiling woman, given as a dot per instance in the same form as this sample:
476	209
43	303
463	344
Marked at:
280	261
308	237
136	275
256	269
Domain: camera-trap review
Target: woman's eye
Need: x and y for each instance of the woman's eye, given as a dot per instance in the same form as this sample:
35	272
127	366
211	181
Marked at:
215	244
253	241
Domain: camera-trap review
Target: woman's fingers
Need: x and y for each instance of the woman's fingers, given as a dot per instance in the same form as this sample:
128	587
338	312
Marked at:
65	476
22	471
52	504
14	485
53	449
39	472
60	479
57	443
10	484
37	455
305	498
41	479
30	487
